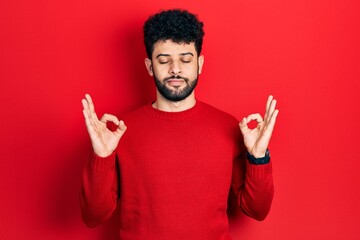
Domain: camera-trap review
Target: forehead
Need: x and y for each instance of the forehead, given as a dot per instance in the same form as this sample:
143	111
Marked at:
171	48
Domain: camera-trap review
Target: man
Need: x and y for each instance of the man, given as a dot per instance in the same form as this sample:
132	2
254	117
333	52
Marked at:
170	168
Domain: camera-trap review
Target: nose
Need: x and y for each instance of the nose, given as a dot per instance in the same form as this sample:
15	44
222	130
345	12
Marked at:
175	68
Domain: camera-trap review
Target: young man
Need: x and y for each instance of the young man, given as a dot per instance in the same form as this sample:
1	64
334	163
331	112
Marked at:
170	168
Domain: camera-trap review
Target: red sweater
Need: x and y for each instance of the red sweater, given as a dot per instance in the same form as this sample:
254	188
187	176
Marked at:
171	175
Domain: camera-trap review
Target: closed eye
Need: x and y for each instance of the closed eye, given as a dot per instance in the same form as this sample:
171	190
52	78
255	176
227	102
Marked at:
186	61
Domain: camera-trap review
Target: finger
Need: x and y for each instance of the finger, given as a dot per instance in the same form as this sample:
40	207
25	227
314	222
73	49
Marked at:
271	124
91	107
85	105
88	122
121	128
273	119
271	110
268	102
243	126
86	108
108	117
86	113
255	116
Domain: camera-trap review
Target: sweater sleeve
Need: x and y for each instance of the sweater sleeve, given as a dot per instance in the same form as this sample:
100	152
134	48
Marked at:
252	186
99	190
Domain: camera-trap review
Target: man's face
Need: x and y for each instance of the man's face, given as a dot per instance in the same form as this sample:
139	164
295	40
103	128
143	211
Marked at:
175	68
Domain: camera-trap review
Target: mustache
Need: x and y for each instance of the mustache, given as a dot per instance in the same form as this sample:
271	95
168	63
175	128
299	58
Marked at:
176	77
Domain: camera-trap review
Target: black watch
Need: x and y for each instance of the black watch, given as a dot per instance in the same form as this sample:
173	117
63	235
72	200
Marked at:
259	161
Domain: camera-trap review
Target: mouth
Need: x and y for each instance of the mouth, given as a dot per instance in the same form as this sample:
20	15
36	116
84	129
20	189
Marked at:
175	82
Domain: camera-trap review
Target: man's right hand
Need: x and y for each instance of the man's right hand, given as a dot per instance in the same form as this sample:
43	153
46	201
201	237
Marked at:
103	141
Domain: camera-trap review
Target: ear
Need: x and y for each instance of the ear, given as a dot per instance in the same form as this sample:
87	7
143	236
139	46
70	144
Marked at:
149	66
201	63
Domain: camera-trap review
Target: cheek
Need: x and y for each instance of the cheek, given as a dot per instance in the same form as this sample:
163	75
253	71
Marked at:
159	73
193	70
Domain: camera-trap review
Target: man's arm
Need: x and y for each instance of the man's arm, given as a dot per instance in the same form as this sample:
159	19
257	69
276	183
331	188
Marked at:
99	190
252	182
252	186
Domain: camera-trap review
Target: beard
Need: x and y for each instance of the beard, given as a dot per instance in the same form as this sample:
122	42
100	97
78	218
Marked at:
177	94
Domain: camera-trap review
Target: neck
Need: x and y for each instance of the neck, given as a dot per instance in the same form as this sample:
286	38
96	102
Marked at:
165	105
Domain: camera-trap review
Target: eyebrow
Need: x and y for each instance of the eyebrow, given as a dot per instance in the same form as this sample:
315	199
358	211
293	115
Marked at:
167	55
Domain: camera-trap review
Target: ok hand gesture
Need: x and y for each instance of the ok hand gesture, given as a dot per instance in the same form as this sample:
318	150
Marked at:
257	140
103	140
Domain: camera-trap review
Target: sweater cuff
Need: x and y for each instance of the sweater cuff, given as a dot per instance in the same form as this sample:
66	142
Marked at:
258	171
102	164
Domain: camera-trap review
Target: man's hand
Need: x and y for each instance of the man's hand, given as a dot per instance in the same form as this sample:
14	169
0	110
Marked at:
257	140
103	140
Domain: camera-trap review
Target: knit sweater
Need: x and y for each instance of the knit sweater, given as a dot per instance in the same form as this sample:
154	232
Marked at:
171	175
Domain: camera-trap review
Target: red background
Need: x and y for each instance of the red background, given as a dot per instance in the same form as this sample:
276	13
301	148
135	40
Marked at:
305	53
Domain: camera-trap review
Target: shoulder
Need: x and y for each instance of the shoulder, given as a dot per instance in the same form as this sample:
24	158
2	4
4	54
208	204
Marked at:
216	120
136	114
215	113
219	120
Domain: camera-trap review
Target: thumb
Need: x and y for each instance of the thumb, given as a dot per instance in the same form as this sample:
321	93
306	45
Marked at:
243	126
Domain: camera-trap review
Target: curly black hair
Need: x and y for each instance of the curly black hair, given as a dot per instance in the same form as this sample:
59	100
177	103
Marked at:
177	25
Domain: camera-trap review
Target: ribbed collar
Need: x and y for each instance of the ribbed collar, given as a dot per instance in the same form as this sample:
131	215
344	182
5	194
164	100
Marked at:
172	115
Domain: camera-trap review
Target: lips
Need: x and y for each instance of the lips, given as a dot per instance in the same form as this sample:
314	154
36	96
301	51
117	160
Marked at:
175	81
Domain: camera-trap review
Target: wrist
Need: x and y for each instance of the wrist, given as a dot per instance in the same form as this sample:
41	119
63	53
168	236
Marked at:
102	154
258	154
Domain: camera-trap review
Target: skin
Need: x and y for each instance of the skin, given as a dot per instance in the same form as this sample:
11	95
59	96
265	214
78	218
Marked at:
174	59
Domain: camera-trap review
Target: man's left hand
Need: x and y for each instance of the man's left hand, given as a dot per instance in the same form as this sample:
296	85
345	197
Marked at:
257	140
